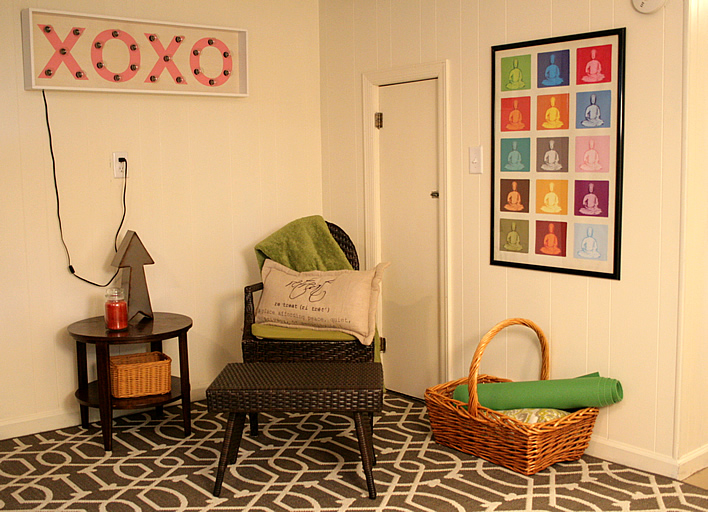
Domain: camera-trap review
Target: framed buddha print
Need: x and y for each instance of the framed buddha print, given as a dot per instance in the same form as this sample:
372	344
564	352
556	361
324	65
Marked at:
557	152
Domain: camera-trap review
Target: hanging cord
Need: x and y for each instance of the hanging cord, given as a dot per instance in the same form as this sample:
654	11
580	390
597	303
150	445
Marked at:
122	219
56	193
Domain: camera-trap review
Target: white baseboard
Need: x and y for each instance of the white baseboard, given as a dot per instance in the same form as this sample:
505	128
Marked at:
693	462
649	461
58	419
35	423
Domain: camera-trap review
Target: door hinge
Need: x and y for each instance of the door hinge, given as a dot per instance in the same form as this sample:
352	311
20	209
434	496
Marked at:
383	344
378	120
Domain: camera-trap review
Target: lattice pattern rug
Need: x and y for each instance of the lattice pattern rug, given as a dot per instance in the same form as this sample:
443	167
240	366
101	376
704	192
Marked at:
304	463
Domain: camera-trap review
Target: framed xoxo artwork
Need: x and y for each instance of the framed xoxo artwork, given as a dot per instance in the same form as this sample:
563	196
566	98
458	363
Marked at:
84	52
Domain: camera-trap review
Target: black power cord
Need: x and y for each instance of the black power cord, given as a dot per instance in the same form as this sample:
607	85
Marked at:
123	161
56	193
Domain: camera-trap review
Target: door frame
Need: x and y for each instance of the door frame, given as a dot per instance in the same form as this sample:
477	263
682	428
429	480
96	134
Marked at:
371	82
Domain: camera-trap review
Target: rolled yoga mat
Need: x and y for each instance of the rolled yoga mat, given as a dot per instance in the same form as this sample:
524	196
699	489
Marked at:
587	391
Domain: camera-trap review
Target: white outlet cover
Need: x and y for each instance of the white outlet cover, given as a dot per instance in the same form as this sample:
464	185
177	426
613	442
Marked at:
118	166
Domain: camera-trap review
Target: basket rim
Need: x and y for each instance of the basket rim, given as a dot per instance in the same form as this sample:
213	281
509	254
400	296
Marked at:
473	378
118	359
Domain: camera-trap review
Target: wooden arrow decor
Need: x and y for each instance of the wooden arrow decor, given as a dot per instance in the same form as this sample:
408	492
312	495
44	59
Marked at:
131	257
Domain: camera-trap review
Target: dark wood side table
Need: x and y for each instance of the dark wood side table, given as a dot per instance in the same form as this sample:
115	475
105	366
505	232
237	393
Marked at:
163	326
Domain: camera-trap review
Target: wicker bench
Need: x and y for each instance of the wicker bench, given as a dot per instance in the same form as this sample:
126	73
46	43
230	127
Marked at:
352	388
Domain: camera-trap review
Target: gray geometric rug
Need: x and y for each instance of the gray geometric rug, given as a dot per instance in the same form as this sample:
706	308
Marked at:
305	463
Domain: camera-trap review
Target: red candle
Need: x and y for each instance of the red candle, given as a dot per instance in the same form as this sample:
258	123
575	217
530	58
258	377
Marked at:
116	310
116	315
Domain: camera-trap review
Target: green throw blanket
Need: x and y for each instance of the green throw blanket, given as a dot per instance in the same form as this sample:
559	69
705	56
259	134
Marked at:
304	244
586	391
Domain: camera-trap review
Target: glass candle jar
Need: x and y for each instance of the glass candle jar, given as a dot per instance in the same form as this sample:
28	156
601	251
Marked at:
116	310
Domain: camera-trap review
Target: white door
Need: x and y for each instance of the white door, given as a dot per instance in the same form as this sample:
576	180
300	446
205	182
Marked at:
409	235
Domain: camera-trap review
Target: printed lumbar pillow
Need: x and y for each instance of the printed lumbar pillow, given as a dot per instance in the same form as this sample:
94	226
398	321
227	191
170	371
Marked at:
336	300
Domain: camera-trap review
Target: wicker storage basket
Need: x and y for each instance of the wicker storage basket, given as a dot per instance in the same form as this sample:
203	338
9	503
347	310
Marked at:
148	373
482	432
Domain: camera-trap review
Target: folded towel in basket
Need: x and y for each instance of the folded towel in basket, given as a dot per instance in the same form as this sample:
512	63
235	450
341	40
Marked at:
587	391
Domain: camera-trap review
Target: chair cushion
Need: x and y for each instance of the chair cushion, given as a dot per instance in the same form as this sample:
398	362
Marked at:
275	332
337	300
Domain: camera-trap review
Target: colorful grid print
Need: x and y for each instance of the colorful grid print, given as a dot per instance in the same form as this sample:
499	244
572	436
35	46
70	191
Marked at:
557	153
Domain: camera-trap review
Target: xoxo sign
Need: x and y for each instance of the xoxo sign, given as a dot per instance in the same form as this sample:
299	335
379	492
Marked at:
70	51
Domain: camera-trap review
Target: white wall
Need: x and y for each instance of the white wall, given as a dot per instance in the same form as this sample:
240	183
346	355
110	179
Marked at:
627	329
691	411
209	177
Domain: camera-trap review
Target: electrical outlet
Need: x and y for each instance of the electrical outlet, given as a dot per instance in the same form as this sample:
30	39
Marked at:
119	168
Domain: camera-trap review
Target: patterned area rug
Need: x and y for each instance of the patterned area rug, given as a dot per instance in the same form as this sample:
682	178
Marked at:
304	463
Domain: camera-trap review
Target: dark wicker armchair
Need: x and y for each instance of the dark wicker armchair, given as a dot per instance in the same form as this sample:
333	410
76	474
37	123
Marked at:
274	350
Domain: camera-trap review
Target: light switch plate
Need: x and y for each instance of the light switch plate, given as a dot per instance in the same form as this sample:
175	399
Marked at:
476	160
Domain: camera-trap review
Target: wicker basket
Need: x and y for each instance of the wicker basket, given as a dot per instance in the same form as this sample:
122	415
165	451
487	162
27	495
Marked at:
133	375
482	432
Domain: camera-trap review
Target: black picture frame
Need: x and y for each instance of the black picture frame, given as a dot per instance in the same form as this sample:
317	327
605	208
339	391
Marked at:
557	153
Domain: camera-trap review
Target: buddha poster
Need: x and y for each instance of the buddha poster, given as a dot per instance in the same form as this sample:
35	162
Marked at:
551	238
557	153
515	235
516	114
552	197
515	196
553	68
593	109
553	112
592	198
516	155
552	154
594	64
592	154
591	241
517	73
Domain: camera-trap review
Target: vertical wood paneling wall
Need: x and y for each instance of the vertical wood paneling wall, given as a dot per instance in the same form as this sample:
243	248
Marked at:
628	329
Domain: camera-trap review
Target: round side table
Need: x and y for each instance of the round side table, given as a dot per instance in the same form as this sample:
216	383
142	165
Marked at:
163	326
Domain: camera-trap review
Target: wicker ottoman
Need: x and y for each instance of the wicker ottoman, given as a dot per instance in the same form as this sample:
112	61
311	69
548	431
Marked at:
352	388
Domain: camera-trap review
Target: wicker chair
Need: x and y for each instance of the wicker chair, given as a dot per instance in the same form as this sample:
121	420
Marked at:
261	350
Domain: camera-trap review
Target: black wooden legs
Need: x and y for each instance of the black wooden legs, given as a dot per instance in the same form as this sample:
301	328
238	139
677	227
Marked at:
229	450
366	447
363	423
253	418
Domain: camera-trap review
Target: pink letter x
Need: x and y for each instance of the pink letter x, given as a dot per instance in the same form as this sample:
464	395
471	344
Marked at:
165	59
62	53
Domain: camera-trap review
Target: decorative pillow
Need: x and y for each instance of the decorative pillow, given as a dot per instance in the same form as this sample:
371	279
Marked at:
535	415
336	300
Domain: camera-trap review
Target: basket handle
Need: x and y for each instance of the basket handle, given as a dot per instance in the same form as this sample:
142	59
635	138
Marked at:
477	358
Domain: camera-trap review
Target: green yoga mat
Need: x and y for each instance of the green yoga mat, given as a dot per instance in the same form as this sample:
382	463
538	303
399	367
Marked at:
586	391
